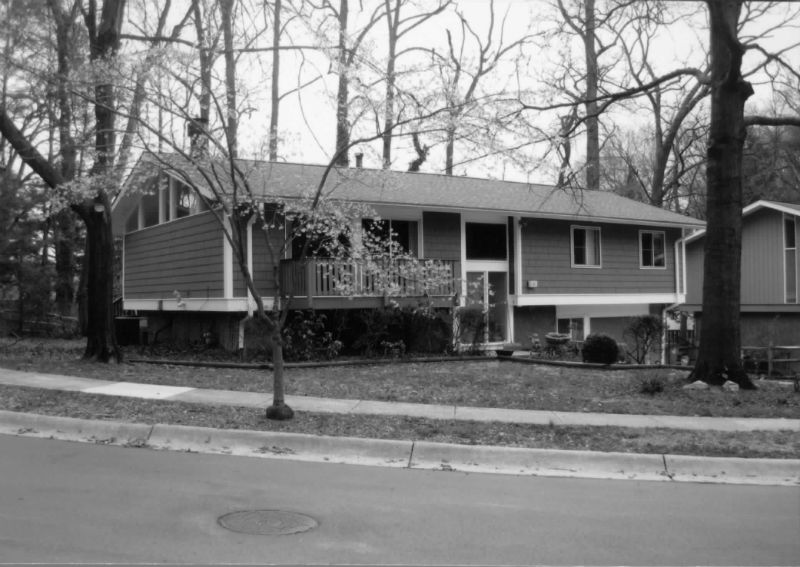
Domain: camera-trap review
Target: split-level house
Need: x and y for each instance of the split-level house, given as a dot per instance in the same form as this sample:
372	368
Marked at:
770	278
541	259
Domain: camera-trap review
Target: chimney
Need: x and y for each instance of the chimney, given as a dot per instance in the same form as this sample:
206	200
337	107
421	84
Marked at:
359	160
197	129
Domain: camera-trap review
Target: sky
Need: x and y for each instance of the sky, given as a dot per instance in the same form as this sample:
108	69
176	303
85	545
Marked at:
307	121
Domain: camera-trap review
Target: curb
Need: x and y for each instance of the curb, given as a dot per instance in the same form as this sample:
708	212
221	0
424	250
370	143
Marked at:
291	446
74	429
408	454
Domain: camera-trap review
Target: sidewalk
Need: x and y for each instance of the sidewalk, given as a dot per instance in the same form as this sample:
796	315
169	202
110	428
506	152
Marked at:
401	453
368	407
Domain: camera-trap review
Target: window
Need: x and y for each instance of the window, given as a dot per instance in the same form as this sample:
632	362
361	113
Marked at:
402	232
187	201
585	247
572	327
321	244
790	255
486	241
653	250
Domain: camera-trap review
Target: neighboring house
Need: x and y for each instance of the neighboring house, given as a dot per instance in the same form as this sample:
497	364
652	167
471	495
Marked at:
770	284
554	260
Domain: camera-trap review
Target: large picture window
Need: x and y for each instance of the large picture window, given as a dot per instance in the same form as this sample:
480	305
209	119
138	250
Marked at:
586	247
486	241
653	251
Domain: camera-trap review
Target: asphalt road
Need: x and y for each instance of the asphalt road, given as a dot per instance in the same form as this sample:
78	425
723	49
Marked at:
71	502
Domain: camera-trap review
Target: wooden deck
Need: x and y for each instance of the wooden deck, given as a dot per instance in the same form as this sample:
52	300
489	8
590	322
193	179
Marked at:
325	283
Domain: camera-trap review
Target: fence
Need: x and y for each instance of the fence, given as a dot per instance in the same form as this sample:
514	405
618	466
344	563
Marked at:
772	360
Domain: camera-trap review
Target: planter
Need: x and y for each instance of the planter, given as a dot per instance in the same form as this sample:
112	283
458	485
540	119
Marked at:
557	339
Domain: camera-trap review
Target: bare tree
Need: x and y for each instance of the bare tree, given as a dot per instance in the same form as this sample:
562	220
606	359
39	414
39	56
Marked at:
462	74
398	26
103	31
719	356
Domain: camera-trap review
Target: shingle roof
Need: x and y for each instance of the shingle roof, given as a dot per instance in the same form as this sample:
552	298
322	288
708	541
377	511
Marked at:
376	187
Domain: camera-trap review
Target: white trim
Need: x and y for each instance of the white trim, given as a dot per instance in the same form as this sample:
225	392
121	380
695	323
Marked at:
215	304
139	216
162	210
517	259
227	261
685	287
483	220
476	213
679	265
663	241
751	209
122	270
173	200
769	205
601	311
599	231
598	299
395	212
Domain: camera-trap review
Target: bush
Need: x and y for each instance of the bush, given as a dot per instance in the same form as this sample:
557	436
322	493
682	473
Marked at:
471	326
644	333
651	385
305	338
600	349
421	329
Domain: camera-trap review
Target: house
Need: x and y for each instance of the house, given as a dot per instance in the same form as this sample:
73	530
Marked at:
553	259
770	280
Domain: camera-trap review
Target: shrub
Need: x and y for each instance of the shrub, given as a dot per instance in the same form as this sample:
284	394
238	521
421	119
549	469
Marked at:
644	334
421	329
651	385
471	326
600	349
305	338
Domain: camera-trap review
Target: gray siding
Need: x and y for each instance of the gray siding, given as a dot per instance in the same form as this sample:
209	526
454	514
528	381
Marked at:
441	235
184	255
762	258
762	261
546	257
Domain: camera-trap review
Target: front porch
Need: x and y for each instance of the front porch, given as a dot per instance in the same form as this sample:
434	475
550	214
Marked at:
328	283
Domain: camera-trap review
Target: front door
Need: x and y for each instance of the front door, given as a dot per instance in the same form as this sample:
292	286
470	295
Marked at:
490	290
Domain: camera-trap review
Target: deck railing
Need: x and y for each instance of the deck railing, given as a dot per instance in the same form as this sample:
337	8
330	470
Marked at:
327	277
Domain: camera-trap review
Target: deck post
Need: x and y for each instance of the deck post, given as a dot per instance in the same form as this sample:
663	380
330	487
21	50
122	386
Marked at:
311	283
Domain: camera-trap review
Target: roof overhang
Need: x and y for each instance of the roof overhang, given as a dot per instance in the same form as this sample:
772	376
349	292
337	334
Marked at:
750	209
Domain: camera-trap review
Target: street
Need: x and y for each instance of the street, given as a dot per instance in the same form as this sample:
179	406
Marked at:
74	502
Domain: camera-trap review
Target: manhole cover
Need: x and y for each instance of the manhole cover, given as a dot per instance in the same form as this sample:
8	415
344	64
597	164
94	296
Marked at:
267	522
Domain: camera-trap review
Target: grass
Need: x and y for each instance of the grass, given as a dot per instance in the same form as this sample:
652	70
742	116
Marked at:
489	383
783	444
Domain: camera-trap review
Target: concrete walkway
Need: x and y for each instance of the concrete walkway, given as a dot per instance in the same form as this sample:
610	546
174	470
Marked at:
368	407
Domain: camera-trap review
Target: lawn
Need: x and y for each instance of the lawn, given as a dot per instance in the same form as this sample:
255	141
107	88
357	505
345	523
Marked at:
485	383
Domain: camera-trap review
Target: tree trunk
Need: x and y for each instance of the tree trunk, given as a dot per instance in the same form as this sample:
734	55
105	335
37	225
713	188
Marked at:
275	100
342	94
278	410
232	126
393	21
592	120
719	356
449	149
101	341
